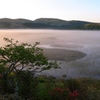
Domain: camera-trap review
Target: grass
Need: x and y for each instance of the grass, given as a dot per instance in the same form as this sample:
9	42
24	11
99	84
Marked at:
88	89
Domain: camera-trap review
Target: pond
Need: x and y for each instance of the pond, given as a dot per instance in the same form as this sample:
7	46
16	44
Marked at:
85	41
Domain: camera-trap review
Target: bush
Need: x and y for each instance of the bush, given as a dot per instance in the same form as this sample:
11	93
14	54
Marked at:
27	84
63	94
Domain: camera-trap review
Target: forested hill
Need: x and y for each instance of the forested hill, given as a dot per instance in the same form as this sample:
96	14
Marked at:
47	23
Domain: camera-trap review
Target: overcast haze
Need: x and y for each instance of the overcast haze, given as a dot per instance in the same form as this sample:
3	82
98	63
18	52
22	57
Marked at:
86	10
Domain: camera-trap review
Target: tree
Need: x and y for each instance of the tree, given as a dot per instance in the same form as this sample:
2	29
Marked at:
16	57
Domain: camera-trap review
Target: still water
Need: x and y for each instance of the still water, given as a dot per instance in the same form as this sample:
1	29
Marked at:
85	41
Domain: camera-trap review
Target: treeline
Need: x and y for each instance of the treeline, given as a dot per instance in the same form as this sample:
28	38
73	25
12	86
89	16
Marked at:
47	23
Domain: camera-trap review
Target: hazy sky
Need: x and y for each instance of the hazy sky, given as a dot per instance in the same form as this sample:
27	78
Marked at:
87	10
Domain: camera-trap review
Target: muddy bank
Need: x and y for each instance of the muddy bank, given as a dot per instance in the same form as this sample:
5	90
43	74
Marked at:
63	54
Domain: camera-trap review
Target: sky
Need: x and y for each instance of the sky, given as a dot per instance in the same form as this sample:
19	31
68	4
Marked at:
86	10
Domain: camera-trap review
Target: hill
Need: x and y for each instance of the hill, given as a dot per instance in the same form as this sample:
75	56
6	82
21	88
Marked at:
47	23
6	23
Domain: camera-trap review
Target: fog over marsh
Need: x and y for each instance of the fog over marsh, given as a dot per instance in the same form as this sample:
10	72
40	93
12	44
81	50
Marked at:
85	41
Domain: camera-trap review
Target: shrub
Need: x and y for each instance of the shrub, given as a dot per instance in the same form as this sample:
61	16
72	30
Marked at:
63	94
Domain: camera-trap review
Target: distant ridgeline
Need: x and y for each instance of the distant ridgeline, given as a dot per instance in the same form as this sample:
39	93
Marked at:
47	23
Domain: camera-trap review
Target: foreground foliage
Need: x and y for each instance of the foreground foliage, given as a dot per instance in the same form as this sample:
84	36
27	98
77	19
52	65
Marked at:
50	88
19	63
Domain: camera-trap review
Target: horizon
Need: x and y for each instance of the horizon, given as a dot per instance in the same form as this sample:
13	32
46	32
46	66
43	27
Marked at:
48	18
82	10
